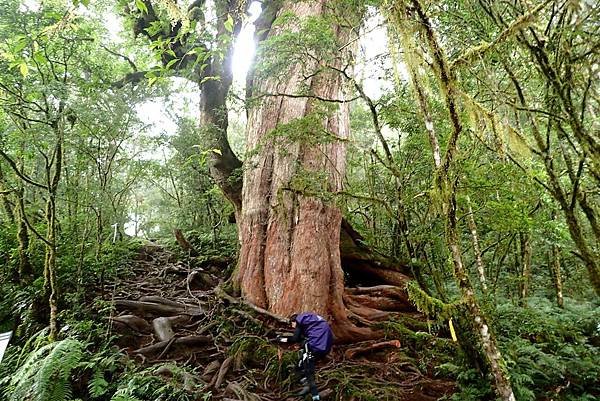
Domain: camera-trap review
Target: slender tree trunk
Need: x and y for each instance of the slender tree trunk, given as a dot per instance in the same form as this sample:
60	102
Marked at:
486	338
50	265
5	201
586	254
556	275
526	265
590	213
476	248
25	268
290	254
50	284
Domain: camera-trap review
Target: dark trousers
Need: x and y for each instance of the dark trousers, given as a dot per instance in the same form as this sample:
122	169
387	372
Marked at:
306	367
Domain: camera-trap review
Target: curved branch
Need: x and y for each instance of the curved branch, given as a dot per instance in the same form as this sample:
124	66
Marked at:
18	172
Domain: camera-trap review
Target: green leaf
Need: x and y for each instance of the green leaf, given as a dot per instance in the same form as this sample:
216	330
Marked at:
170	63
229	24
21	44
39	58
141	6
210	78
24	69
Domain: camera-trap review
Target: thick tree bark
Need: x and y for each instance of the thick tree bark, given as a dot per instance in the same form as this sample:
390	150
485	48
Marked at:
290	254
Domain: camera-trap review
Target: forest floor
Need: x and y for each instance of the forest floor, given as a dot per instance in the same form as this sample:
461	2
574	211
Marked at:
170	311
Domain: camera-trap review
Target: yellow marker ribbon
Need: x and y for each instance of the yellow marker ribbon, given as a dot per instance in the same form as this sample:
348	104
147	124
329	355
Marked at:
452	332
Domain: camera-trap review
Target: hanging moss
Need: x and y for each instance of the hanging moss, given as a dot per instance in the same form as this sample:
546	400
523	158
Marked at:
482	119
477	52
430	306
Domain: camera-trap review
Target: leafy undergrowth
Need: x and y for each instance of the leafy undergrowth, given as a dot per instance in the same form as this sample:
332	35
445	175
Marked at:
223	350
230	355
551	353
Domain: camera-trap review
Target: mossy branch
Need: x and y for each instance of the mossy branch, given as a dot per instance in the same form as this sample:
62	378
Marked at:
430	306
480	50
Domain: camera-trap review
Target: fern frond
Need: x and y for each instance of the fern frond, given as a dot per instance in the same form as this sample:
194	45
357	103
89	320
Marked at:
45	375
22	382
52	379
98	384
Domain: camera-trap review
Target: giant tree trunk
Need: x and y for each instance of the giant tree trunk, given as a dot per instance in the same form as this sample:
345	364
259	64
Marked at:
290	254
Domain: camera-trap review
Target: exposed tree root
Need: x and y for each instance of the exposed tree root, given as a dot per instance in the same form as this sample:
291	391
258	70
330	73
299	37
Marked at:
221	293
352	352
163	326
184	243
189	341
227	339
367	314
220	377
142	307
133	322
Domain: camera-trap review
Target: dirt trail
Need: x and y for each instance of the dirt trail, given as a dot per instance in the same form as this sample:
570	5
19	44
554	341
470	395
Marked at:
167	310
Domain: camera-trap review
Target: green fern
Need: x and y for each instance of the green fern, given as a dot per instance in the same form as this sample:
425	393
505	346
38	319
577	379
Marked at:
45	375
98	384
123	397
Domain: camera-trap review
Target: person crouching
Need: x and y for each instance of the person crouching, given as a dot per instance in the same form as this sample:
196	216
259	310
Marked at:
314	334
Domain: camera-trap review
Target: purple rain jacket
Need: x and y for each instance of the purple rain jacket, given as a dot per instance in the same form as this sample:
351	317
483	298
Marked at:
315	330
